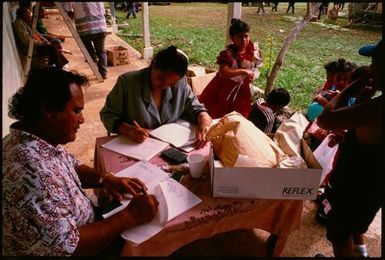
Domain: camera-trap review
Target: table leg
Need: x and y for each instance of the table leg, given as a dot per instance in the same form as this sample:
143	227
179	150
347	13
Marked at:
275	245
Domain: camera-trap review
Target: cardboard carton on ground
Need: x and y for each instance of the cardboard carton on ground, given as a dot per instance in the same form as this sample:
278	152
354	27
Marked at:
267	183
117	55
199	77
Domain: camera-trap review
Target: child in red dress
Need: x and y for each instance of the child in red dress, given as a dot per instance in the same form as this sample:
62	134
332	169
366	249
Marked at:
229	90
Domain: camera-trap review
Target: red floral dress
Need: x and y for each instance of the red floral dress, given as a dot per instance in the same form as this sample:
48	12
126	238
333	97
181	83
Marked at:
222	96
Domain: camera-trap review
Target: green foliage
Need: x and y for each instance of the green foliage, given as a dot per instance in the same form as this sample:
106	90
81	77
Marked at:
199	29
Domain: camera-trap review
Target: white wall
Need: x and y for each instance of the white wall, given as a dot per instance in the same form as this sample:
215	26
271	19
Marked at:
12	68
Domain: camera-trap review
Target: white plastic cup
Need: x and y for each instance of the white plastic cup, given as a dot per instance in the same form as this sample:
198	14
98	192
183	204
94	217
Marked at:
196	164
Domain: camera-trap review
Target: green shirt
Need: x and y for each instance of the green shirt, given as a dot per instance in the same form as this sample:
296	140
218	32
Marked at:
131	99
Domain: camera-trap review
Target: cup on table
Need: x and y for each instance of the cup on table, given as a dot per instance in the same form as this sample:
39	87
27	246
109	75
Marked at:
196	164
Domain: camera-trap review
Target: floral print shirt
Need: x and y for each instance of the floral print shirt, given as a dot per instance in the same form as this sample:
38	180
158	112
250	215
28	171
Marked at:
43	202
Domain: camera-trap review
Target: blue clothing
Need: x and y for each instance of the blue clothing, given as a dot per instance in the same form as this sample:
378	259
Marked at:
131	99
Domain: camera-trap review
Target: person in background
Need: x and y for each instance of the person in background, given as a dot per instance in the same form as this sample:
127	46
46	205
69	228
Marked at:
291	6
263	111
355	191
45	209
131	10
91	26
260	8
274	6
343	71
40	27
238	64
331	71
42	47
153	96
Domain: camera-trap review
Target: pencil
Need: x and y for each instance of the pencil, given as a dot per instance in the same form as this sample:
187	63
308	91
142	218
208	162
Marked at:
137	125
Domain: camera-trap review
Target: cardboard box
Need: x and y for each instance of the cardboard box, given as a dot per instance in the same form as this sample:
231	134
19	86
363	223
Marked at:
198	78
117	55
267	183
199	83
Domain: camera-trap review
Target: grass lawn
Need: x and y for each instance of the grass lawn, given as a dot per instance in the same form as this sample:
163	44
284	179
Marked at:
199	29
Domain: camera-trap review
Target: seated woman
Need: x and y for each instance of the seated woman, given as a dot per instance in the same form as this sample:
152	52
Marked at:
42	47
153	96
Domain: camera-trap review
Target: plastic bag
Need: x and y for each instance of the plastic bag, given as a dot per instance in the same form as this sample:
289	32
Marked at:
325	156
234	135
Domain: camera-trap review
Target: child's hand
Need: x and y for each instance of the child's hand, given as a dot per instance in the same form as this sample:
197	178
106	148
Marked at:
249	74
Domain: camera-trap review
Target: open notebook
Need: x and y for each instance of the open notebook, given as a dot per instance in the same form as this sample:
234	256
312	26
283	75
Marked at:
140	151
174	199
180	134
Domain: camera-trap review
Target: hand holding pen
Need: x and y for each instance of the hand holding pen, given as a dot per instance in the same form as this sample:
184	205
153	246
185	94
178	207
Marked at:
139	134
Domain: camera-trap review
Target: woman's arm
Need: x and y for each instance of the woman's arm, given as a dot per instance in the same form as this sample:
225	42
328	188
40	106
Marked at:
204	121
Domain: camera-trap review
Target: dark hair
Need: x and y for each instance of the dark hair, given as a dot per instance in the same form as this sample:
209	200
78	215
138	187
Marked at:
25	4
331	67
45	88
359	72
345	66
171	59
21	11
278	97
237	26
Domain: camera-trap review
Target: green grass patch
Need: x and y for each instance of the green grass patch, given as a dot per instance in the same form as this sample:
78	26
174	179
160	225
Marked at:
199	29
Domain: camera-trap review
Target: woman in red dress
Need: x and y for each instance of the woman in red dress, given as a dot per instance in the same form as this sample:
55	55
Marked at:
229	90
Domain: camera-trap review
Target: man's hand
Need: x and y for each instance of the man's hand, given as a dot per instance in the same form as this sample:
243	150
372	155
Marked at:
117	186
142	208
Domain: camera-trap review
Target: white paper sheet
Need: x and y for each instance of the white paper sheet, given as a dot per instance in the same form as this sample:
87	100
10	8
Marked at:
140	151
178	198
139	234
173	198
180	134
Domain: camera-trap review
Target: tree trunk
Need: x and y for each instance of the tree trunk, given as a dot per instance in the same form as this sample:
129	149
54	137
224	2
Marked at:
289	39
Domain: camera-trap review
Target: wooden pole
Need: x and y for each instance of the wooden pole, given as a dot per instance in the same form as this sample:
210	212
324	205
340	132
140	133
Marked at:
75	34
31	42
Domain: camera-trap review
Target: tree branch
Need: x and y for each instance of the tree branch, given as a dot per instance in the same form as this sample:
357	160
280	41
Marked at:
310	11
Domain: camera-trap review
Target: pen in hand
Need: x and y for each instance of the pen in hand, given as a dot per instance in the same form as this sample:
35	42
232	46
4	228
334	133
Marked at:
137	125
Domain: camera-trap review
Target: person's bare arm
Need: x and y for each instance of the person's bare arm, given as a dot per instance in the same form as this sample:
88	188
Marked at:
204	121
95	237
116	186
338	116
227	72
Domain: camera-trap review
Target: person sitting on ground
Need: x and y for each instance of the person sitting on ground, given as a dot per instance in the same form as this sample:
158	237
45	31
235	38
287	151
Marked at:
331	69
341	80
153	96
42	29
42	47
342	76
263	112
238	64
356	187
45	210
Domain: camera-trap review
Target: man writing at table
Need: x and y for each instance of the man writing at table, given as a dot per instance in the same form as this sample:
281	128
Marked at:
153	96
45	210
